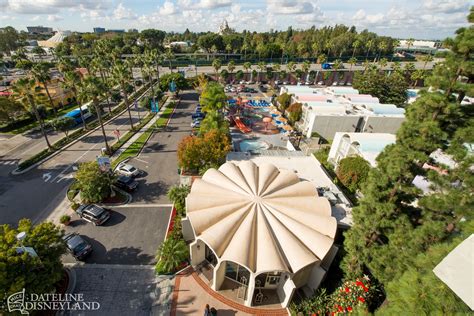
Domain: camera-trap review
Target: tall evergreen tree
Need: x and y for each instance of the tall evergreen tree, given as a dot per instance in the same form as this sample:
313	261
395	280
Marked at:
395	222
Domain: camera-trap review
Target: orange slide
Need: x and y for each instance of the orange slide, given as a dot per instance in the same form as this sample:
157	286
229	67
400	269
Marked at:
243	128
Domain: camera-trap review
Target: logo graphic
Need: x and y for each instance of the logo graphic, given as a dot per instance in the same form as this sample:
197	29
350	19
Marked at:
16	302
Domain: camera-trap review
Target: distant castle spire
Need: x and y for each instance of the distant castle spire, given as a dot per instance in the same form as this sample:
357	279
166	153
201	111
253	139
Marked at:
224	28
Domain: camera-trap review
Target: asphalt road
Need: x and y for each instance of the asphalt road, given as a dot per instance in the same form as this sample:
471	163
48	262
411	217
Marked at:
37	192
158	158
131	235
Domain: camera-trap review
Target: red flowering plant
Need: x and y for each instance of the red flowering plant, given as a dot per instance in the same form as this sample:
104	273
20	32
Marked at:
350	295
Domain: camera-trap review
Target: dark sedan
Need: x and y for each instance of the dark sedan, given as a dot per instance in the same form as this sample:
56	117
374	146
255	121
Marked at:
77	246
126	183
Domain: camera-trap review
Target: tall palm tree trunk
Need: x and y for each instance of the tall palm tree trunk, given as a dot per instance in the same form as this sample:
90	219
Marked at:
99	117
50	100
40	121
84	125
125	99
107	93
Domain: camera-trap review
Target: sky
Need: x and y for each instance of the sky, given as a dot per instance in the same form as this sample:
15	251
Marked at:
421	19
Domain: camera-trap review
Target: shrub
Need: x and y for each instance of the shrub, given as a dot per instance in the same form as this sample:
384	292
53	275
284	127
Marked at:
75	206
93	182
64	219
177	194
353	172
295	111
171	254
284	100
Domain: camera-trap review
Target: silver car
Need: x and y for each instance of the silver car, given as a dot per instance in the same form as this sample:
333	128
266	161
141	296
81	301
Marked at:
127	170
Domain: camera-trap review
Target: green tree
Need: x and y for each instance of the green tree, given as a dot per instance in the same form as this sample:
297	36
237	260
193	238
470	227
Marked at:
9	39
295	111
63	124
177	194
213	120
37	274
231	66
389	89
121	76
217	64
353	172
177	78
170	255
25	90
261	68
94	184
9	108
284	100
247	65
71	81
352	61
213	97
40	72
91	88
391	234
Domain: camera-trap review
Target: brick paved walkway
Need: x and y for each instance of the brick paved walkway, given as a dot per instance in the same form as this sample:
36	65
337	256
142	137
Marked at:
191	294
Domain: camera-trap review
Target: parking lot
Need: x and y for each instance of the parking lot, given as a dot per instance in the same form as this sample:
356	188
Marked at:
131	236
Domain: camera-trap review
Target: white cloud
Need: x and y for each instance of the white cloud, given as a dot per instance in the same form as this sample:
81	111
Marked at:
213	4
168	8
446	6
54	18
291	6
49	6
123	13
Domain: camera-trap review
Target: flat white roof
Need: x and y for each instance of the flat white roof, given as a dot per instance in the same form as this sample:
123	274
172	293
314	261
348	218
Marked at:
456	270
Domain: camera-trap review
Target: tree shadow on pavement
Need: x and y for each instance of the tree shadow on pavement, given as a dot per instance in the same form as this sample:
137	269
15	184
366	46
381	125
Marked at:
148	192
115	218
128	255
94	139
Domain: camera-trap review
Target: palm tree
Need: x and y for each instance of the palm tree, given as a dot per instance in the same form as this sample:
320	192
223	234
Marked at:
321	59
355	46
130	62
40	73
71	81
427	59
91	88
383	63
410	43
305	67
247	65
171	253
121	75
24	90
352	61
98	65
148	71
369	45
231	68
416	76
290	67
261	68
169	56
382	47
217	64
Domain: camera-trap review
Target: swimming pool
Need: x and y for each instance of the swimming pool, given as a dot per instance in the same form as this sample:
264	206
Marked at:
252	145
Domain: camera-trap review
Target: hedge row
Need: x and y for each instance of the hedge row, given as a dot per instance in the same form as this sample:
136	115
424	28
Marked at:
75	135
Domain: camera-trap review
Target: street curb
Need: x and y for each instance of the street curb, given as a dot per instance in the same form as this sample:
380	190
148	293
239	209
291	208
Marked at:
128	195
72	280
16	173
82	265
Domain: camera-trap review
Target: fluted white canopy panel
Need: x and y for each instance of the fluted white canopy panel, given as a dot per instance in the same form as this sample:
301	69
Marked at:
260	217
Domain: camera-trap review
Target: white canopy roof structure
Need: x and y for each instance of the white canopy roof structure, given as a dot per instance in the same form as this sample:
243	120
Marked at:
260	217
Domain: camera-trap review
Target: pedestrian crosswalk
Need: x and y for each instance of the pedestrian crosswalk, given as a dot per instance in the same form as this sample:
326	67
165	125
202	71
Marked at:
9	162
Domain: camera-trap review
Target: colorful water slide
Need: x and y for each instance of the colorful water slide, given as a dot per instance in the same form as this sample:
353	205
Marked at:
243	128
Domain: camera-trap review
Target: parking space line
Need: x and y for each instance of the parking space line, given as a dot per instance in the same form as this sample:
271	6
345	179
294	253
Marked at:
143	205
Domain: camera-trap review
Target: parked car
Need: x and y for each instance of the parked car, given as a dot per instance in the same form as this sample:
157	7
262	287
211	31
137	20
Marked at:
127	170
326	66
126	183
198	109
93	213
77	246
196	124
198	115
